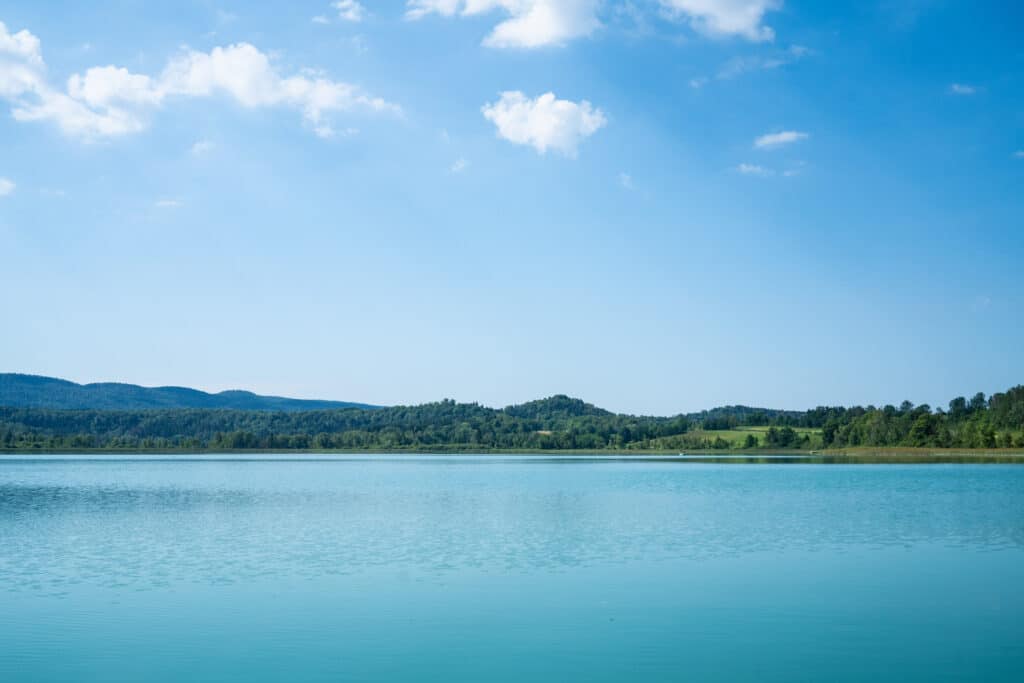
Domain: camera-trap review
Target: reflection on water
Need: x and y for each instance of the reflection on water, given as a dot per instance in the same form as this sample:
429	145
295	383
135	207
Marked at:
659	540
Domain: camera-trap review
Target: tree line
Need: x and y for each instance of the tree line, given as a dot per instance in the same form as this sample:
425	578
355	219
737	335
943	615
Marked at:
555	423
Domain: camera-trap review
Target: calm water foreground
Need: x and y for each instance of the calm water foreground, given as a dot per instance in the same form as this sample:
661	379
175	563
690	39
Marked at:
499	568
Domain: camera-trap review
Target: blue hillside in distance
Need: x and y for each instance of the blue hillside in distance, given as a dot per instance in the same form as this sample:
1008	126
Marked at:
35	391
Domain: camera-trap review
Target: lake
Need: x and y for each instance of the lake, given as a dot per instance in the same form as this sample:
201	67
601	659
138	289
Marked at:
507	568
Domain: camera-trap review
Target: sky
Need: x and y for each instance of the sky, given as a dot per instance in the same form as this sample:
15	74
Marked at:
655	205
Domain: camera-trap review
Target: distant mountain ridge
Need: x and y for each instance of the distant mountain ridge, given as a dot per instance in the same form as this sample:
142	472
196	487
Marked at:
35	391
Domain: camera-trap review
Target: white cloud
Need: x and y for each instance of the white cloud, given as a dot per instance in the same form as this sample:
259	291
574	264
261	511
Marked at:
167	203
626	181
537	23
21	63
754	169
349	10
22	45
544	122
201	147
772	140
724	18
108	101
459	166
75	118
105	85
321	19
531	23
962	89
6	187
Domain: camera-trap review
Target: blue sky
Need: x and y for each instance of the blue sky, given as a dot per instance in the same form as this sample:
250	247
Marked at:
658	206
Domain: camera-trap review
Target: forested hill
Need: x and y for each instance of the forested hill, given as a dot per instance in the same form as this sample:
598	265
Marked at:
34	391
555	423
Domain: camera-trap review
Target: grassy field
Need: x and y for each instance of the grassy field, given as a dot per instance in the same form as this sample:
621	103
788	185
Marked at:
739	434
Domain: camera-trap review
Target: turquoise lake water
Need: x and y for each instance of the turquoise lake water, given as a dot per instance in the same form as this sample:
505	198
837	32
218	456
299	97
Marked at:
499	568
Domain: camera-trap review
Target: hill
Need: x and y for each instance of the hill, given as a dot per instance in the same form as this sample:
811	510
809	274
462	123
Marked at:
45	413
34	391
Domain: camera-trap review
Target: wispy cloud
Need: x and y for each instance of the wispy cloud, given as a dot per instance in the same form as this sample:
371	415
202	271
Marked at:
327	132
1019	154
741	65
167	204
459	166
754	169
6	187
796	169
962	89
201	147
626	181
773	140
738	66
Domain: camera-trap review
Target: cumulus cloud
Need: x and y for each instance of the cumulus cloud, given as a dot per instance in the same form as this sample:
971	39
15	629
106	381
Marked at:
108	100
23	83
725	18
544	122
773	140
530	23
6	187
349	10
962	89
105	85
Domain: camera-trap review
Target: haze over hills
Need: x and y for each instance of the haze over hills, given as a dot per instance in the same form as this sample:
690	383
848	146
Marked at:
19	390
35	391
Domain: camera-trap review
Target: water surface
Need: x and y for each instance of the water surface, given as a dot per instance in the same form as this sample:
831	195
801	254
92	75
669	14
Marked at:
504	568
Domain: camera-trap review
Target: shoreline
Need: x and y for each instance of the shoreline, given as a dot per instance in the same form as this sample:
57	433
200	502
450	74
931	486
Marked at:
894	455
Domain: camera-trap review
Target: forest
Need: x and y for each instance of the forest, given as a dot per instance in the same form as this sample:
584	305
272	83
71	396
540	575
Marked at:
555	423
